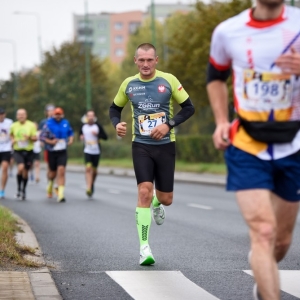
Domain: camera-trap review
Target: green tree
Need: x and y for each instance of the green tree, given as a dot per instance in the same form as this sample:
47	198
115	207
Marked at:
188	52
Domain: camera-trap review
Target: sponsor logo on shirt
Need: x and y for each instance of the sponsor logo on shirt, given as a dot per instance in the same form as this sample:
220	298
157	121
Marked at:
136	88
180	87
161	88
148	104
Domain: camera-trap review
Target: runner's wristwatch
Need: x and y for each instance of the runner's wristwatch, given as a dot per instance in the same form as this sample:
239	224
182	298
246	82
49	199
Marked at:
171	123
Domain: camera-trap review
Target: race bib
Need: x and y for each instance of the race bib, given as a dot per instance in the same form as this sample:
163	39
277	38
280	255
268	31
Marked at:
148	122
60	145
92	145
22	144
267	88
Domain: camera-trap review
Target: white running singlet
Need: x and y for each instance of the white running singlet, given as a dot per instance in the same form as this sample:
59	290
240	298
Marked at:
5	142
261	91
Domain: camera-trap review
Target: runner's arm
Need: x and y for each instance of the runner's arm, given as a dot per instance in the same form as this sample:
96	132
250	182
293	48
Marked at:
115	114
187	110
102	134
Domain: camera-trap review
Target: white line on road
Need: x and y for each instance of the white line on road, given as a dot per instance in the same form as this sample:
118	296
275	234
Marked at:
114	192
200	206
167	285
289	281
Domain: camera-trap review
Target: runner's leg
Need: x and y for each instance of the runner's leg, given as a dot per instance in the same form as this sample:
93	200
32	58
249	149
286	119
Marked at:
258	212
286	215
4	167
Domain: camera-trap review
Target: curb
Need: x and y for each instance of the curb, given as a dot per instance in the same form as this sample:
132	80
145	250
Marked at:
42	284
188	177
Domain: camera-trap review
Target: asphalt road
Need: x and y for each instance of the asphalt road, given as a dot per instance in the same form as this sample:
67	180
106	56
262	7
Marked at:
204	237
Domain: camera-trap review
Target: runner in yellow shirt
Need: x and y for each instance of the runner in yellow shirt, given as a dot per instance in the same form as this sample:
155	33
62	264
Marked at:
23	135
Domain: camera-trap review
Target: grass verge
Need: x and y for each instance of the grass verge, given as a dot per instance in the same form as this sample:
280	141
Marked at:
10	251
181	166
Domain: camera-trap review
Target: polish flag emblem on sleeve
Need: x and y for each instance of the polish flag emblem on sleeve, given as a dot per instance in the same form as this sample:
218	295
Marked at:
180	87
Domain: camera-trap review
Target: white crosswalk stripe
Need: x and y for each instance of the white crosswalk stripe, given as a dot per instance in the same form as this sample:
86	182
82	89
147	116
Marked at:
289	281
167	285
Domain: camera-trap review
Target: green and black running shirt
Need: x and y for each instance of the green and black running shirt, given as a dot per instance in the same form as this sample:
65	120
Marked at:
151	104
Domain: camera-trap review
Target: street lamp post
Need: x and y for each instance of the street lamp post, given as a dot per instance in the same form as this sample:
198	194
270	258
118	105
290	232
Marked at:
87	61
153	23
15	82
38	19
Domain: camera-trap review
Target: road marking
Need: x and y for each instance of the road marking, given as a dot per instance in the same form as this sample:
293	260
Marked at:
289	281
200	206
114	192
167	285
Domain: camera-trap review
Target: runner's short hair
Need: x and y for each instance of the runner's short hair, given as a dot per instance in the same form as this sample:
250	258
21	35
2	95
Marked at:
146	47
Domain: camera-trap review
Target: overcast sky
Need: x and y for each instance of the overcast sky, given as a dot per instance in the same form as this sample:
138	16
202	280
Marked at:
56	25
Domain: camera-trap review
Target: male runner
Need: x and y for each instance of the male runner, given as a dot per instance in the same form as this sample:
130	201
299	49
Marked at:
262	46
151	94
23	135
91	133
5	149
57	135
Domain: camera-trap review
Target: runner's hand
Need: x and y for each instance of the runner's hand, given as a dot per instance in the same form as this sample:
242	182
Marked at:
121	129
289	62
160	131
221	136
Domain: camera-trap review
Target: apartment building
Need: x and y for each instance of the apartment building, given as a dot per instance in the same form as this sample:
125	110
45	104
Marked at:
108	33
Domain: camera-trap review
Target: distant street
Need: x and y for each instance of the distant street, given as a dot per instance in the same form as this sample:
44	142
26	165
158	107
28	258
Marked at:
89	243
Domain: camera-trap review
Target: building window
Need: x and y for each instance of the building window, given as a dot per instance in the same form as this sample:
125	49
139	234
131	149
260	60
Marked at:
119	39
102	25
133	27
118	25
81	24
119	52
102	39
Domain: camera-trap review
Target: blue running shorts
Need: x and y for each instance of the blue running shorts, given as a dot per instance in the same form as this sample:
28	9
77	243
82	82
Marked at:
246	171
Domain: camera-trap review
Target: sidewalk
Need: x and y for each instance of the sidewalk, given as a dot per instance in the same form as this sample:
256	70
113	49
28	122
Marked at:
39	285
30	285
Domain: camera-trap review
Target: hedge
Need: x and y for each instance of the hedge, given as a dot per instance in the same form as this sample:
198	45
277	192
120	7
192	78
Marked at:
195	148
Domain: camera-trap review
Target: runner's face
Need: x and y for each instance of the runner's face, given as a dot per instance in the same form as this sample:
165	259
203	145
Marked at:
21	116
271	3
2	117
146	62
90	117
58	117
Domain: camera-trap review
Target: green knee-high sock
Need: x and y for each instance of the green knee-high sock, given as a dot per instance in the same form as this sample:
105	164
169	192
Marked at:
143	222
155	201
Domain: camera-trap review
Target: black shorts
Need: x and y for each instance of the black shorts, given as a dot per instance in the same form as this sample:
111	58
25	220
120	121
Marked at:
5	156
91	159
56	159
155	163
36	156
24	157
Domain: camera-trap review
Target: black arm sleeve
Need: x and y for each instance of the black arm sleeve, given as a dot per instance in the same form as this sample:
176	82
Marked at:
213	74
80	132
115	114
187	110
102	134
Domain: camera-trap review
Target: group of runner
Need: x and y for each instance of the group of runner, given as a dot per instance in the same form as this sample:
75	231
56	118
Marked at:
23	141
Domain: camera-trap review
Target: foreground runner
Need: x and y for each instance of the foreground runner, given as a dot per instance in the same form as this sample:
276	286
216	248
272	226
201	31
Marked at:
91	133
57	134
151	94
23	135
5	149
262	153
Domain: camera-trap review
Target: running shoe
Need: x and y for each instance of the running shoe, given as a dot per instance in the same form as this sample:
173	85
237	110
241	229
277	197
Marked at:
89	193
2	195
49	190
18	195
23	196
256	294
59	200
158	214
146	257
37	180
